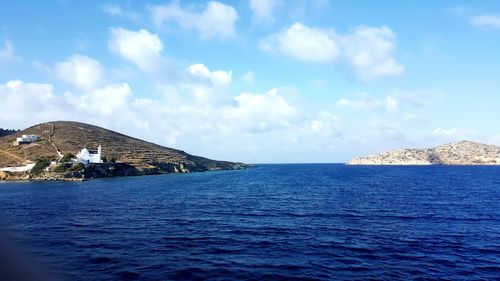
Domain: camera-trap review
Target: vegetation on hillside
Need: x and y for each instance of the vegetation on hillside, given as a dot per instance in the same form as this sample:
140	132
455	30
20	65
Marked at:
69	167
67	157
5	132
40	165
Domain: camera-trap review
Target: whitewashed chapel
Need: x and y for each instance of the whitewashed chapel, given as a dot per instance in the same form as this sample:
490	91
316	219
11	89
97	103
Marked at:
87	157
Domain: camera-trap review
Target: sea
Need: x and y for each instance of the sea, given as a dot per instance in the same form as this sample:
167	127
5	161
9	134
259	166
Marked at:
268	222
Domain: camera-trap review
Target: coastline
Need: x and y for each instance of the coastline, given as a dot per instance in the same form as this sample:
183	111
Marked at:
107	170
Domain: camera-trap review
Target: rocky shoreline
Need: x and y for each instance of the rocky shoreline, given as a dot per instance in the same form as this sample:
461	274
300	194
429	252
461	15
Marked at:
459	153
106	170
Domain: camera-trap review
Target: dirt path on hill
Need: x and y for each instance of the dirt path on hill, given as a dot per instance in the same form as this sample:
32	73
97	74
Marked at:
52	130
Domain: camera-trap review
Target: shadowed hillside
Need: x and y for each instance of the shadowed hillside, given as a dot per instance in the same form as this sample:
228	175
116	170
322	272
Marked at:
71	137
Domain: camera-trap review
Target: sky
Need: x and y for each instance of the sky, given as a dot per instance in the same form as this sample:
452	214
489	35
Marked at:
258	81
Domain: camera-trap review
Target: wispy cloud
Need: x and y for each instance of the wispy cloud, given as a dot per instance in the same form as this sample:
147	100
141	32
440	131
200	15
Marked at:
216	20
491	21
7	52
263	10
118	11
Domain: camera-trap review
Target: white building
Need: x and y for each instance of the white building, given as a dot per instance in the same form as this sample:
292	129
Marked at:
86	157
18	169
24	139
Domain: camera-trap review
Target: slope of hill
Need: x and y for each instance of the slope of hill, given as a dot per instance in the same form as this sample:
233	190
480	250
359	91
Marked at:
63	137
459	153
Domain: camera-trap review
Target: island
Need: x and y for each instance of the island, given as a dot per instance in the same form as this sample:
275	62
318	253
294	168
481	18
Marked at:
458	153
65	150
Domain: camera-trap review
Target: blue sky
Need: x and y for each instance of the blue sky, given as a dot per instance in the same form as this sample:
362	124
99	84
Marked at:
257	81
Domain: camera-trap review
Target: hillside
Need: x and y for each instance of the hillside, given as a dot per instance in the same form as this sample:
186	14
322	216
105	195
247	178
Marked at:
459	153
71	137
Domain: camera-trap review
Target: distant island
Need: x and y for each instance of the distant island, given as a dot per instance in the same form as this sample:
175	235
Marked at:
459	153
66	150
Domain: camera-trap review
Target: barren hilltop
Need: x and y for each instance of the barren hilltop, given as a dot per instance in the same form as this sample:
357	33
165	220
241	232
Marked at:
459	153
122	155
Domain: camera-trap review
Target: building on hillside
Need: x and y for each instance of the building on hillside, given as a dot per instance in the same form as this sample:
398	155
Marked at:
89	157
25	139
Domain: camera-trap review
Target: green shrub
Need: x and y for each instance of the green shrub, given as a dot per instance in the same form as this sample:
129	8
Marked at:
61	168
76	167
69	167
40	165
67	157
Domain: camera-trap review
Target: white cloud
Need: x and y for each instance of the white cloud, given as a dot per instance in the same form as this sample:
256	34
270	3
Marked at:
419	98
319	5
28	102
458	11
201	83
7	52
325	123
111	99
368	51
140	47
260	112
304	43
389	103
263	10
115	10
271	102
492	21
413	117
218	77
216	20
249	77
394	101
81	71
453	133
360	104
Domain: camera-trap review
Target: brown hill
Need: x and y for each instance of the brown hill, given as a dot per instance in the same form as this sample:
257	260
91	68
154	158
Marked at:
459	153
71	137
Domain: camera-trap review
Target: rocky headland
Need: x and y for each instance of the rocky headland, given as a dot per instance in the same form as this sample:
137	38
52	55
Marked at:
459	153
121	155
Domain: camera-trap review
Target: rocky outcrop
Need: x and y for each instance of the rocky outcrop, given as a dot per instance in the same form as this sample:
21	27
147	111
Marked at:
8	176
124	155
459	153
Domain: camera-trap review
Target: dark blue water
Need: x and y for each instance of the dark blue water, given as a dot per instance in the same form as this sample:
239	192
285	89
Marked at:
270	222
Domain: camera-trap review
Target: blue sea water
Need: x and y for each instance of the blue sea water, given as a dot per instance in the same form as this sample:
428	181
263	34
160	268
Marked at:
271	222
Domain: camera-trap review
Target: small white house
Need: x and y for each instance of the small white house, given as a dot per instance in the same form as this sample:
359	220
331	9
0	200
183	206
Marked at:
24	139
86	157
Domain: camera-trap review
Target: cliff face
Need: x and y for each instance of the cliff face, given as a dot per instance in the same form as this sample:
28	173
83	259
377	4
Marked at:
130	156
460	153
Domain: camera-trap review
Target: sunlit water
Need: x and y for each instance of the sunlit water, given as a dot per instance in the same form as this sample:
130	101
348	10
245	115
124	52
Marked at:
321	221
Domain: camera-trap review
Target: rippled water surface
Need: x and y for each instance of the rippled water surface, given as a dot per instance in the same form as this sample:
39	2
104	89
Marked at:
317	222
